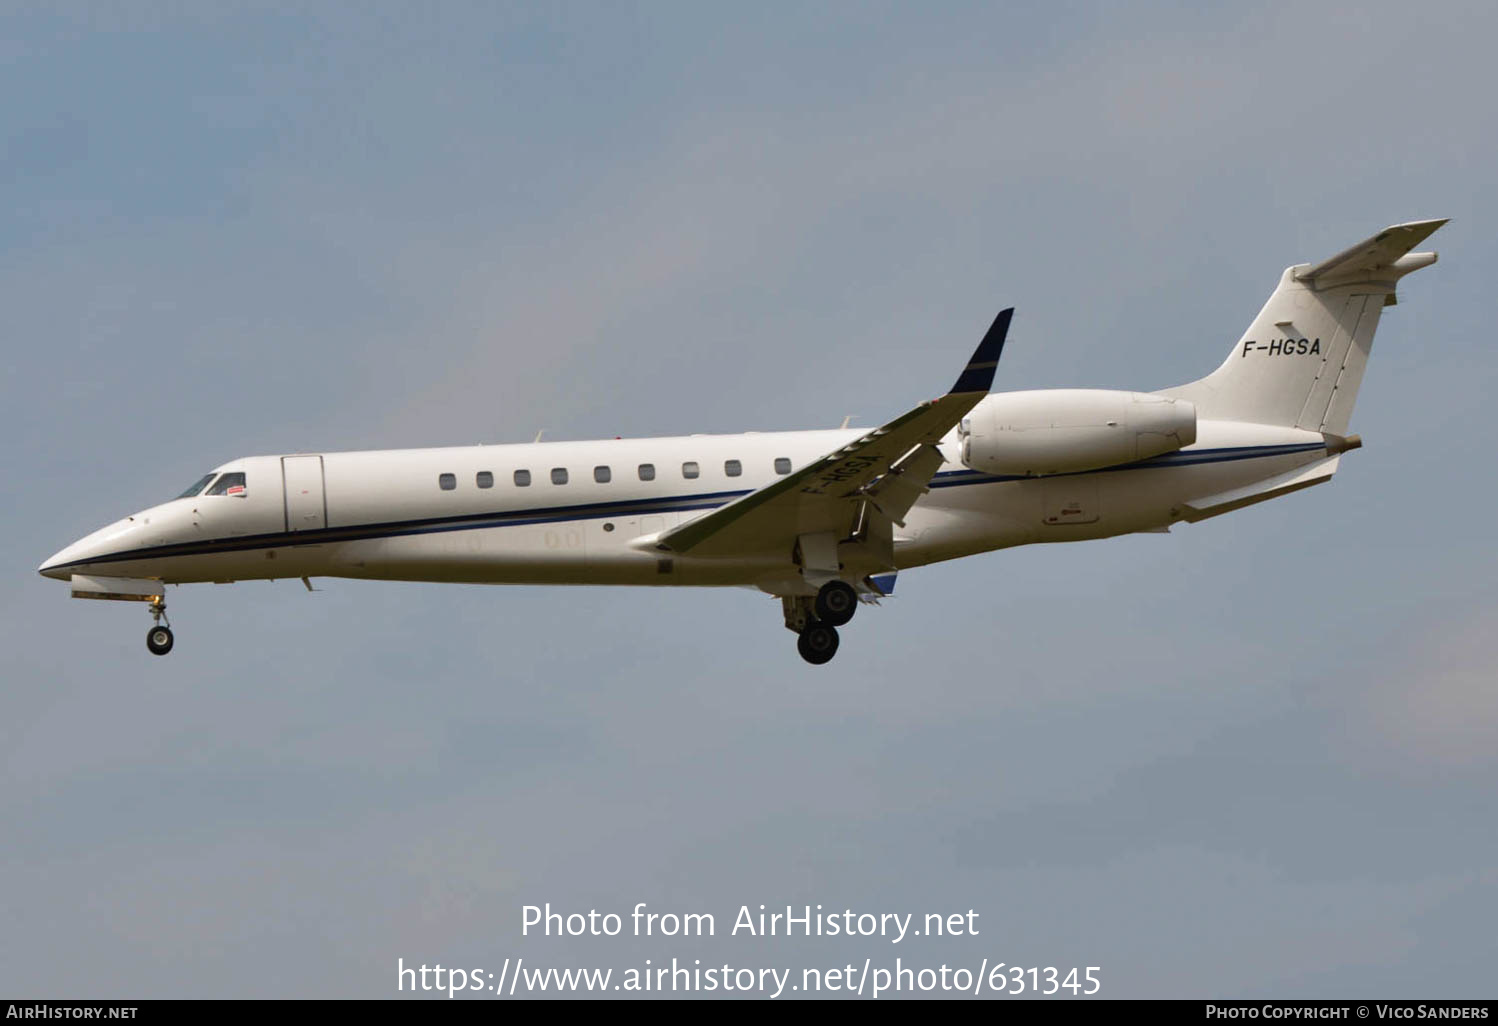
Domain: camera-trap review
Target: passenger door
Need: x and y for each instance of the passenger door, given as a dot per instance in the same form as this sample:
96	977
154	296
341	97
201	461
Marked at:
306	505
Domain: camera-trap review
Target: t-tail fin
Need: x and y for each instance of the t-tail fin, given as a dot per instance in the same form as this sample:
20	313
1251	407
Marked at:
1302	359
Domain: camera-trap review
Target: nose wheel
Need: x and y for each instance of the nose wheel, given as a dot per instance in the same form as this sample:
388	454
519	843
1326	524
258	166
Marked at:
159	638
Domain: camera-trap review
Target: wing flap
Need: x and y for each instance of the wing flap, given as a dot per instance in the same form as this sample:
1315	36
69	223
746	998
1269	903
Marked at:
895	492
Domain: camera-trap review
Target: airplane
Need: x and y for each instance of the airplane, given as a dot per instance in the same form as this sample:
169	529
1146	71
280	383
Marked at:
823	520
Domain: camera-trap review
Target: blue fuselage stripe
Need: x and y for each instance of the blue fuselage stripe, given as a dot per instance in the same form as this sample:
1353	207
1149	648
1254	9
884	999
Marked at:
950	478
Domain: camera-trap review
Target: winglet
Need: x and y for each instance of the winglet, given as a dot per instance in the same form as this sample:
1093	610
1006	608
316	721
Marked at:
977	376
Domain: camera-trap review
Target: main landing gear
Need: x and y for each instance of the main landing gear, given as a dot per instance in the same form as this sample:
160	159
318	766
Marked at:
836	603
817	643
816	619
159	638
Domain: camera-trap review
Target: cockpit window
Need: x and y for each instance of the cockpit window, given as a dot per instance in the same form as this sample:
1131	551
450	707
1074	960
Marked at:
196	487
229	484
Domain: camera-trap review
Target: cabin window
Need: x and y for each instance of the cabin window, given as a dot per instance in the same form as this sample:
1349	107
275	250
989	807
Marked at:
647	471
558	475
447	482
602	475
229	484
733	468
522	478
197	487
782	465
690	469
484	479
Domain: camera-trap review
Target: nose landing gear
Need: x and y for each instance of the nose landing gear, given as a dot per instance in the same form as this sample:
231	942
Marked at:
159	638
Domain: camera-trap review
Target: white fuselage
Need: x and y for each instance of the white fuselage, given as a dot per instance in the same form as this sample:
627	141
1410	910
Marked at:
397	515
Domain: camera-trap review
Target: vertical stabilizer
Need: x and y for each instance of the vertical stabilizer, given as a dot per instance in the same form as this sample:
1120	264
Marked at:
1301	361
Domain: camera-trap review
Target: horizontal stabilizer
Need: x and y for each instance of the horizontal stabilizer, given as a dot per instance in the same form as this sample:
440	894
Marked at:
1380	253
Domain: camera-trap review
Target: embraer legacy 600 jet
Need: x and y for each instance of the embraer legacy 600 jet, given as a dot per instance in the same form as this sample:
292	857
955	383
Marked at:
820	519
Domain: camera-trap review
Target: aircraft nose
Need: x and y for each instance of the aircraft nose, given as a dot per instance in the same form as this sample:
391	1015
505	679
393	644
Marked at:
54	566
61	565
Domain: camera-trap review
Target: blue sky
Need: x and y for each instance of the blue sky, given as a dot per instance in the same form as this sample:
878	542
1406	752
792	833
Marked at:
1254	757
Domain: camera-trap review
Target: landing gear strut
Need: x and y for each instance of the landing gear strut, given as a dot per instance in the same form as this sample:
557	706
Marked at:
159	638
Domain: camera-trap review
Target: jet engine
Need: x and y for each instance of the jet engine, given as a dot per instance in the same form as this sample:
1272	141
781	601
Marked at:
1064	430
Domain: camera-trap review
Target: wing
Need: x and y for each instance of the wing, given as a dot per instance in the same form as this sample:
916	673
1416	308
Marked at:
889	468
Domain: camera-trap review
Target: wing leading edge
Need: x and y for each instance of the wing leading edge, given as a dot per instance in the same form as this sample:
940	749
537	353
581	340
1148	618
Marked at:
888	469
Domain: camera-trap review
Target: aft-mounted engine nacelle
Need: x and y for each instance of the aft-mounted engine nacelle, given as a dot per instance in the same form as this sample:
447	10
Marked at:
1063	430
